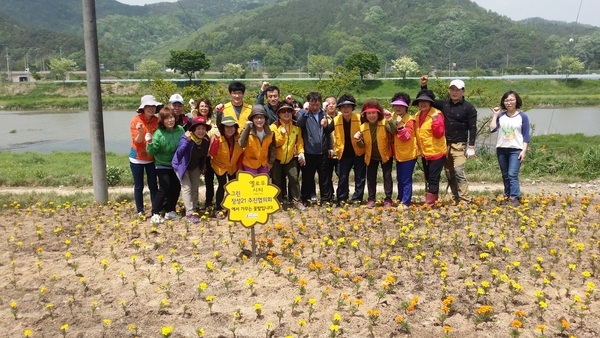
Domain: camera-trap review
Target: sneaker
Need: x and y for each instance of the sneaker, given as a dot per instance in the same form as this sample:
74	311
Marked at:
156	219
171	215
313	200
220	214
516	202
387	204
141	216
402	207
193	218
371	204
300	206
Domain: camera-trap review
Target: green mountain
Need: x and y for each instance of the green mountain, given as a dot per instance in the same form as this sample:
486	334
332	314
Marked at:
438	34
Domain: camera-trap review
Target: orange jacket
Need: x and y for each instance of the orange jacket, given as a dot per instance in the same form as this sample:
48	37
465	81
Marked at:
138	153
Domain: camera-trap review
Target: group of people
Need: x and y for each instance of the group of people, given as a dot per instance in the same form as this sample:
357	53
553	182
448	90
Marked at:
285	140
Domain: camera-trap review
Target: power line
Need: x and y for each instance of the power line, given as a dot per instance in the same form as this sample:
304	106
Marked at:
189	18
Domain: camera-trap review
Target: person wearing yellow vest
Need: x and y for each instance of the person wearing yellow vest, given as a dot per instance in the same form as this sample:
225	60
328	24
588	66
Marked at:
375	136
288	141
258	142
225	152
349	154
236	108
432	143
406	150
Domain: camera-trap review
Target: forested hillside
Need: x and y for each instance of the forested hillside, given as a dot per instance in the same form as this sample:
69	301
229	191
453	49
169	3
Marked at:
437	34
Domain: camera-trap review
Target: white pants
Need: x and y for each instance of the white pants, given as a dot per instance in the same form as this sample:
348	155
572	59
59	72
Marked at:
190	183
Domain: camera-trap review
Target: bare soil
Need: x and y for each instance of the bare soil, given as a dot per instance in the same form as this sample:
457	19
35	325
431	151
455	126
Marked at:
102	270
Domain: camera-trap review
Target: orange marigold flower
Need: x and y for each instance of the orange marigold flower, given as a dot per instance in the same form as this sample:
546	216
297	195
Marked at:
516	324
520	313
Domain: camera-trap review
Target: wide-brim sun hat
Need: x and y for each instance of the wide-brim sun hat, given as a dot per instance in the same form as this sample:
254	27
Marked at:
149	100
228	121
199	120
423	97
257	109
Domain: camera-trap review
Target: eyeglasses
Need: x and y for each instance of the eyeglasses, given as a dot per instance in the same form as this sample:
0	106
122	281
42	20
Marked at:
510	100
259	117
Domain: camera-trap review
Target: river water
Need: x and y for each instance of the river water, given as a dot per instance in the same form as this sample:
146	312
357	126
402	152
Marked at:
69	131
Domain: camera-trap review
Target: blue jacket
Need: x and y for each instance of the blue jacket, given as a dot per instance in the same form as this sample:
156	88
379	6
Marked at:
317	140
183	155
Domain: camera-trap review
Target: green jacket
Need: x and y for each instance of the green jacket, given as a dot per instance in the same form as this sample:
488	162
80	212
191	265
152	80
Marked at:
163	146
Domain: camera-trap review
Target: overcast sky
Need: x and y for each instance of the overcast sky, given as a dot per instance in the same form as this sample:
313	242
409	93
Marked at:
561	10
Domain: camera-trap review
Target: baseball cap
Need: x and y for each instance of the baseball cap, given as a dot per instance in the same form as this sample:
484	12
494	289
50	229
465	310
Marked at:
176	98
457	83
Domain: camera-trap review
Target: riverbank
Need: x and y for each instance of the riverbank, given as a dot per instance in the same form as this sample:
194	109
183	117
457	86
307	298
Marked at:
125	95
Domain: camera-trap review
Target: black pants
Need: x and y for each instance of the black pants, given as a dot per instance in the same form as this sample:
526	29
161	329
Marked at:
169	188
433	171
316	164
209	182
223	179
388	185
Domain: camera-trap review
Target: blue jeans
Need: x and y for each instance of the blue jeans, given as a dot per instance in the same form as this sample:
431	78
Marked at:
137	171
404	172
508	159
345	165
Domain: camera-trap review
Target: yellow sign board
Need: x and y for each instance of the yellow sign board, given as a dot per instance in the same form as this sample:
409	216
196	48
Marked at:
250	198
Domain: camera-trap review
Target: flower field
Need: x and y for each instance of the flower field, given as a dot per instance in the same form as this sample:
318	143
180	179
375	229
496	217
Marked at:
480	270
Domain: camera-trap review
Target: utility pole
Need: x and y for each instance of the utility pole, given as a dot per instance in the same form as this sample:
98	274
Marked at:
8	66
92	64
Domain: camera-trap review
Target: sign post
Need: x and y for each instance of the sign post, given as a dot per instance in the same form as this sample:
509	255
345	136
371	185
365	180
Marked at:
250	199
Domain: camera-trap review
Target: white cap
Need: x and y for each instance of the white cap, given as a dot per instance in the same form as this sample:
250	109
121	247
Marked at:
176	98
457	83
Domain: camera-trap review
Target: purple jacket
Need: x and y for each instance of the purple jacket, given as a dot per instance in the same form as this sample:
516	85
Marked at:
183	155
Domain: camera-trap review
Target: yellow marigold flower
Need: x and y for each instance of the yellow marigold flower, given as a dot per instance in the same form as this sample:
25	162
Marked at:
541	328
302	322
257	306
27	333
64	327
337	317
312	301
334	328
447	329
13	305
399	319
166	331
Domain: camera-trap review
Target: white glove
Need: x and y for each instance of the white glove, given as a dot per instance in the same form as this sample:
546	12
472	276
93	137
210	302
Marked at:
470	152
358	136
282	130
301	159
289	98
219	107
387	114
148	138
